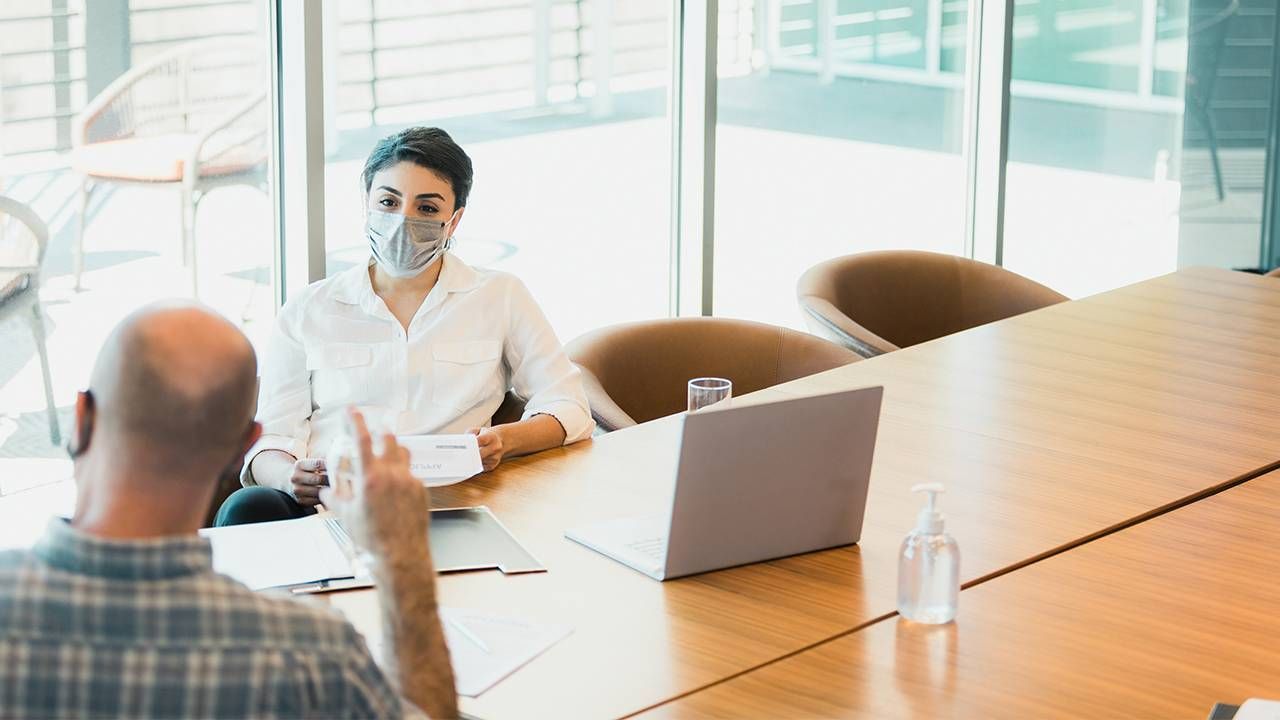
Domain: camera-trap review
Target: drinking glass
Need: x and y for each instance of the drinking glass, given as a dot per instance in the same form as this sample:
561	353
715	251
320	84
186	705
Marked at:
707	391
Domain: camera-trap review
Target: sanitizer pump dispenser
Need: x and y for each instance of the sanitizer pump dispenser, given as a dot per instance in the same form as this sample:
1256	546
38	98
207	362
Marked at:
929	566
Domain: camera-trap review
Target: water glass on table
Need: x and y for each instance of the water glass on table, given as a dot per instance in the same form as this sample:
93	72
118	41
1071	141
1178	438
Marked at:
707	391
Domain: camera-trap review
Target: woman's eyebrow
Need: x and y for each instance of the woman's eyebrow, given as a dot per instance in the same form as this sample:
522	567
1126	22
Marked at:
390	189
426	196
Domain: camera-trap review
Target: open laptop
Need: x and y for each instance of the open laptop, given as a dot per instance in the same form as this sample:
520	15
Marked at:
754	483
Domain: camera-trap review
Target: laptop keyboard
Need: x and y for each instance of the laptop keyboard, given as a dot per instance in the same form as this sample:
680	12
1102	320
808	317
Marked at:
654	547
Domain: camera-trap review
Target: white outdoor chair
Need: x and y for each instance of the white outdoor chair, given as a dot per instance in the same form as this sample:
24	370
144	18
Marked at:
194	117
23	241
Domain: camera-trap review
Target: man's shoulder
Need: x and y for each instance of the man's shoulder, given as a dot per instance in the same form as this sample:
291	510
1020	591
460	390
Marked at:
286	621
15	560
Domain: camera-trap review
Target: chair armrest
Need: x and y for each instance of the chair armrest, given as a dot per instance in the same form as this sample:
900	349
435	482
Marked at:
604	410
25	215
191	168
827	321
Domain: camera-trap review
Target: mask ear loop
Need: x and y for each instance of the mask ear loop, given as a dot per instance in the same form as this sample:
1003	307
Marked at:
448	242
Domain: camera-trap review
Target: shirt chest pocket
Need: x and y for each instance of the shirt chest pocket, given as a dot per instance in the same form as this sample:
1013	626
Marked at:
341	373
465	373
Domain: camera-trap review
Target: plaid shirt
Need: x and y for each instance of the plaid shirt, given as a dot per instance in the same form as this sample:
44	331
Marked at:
98	628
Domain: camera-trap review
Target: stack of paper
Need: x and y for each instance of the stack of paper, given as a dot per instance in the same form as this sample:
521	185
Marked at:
281	553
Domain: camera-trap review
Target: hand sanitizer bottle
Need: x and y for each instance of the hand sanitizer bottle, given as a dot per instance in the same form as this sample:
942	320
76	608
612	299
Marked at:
929	567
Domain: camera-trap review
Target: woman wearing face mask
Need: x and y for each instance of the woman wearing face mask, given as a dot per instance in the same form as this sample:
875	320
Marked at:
416	337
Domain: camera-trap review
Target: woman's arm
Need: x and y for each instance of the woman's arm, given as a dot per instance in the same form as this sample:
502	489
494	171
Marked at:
531	435
284	409
556	409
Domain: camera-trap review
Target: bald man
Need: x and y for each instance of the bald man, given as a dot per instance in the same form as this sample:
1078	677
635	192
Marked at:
118	612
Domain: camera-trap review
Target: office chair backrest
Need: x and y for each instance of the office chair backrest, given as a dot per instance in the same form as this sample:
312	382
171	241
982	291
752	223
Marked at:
877	302
640	371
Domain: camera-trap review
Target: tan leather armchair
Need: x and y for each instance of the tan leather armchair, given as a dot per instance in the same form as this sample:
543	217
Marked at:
877	302
637	372
1274	273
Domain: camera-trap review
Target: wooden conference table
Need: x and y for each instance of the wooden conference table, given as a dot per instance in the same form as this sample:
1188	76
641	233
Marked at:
1049	429
1160	620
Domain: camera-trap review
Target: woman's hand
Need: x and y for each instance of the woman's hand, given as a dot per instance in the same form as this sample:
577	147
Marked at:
492	447
518	438
308	477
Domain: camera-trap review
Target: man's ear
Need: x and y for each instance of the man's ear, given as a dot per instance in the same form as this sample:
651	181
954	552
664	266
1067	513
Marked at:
85	415
232	470
251	436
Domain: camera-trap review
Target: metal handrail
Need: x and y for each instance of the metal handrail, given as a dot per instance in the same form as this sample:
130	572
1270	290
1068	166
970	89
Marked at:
54	48
369	52
382	77
42	16
179	6
450	13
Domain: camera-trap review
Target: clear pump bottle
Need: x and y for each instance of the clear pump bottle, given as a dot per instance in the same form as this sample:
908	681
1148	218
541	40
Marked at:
929	566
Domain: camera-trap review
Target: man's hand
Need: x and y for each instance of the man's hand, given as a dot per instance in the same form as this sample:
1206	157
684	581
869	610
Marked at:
390	511
492	447
307	479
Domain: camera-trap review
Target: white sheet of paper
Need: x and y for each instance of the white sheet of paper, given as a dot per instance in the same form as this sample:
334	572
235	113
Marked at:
511	643
275	554
442	459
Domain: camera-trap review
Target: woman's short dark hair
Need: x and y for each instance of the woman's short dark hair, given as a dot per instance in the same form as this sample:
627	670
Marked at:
428	147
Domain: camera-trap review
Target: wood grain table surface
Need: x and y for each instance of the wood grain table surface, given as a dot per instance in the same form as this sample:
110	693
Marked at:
1048	429
1159	620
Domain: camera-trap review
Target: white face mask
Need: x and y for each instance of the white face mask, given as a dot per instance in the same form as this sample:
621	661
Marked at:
403	246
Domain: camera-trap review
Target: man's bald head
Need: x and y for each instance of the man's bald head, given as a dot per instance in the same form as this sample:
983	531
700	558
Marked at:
175	381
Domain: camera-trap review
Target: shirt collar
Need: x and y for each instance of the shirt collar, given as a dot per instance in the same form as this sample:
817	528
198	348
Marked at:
66	548
354	287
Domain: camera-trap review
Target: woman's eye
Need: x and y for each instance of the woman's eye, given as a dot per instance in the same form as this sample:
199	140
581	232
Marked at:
387	202
427	210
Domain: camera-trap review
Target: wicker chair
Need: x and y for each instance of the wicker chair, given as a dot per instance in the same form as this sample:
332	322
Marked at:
23	241
194	117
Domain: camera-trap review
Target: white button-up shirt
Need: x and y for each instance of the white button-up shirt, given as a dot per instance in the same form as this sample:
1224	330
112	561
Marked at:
478	334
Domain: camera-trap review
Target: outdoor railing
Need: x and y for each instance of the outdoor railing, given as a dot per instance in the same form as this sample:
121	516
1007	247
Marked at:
394	59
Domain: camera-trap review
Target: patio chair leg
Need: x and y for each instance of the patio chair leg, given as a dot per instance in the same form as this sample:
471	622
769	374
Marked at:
189	232
185	202
86	187
38	330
